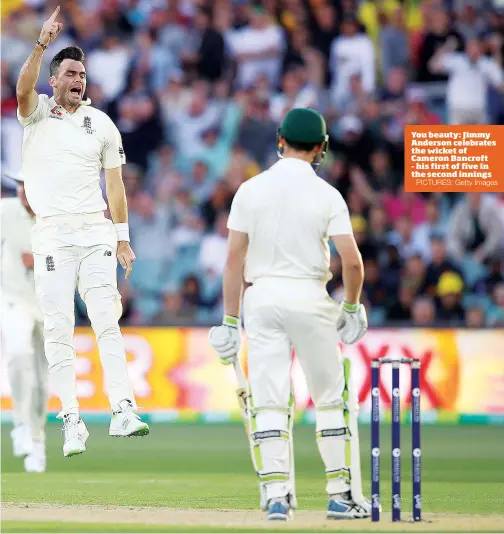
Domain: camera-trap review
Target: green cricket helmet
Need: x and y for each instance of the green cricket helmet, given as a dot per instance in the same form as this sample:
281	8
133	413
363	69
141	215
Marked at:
304	125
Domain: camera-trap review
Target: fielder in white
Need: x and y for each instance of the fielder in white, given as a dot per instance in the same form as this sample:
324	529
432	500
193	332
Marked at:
22	335
280	224
66	144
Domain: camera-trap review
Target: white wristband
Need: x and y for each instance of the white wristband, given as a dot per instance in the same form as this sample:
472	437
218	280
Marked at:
122	230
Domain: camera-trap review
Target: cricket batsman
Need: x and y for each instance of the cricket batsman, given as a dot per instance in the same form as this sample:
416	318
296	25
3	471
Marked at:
22	336
280	223
66	144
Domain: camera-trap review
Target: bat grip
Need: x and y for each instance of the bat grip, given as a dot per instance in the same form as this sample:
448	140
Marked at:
240	375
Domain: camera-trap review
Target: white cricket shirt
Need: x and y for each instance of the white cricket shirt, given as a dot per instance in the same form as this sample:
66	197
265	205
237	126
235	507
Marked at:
288	213
17	280
63	154
468	82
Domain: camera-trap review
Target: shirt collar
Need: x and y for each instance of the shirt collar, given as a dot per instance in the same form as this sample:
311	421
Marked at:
53	103
294	163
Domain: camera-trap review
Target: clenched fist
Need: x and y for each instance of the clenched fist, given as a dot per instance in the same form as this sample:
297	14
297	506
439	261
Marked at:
50	29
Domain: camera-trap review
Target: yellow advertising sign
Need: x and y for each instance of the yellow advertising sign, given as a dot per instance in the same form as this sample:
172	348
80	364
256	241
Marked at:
174	369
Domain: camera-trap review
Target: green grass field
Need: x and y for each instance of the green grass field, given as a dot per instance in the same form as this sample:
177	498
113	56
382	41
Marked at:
207	467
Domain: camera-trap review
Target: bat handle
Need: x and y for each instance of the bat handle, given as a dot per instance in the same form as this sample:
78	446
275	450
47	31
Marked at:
240	375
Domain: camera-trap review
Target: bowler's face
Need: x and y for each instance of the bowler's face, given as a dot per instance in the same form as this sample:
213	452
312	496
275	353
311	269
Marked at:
70	81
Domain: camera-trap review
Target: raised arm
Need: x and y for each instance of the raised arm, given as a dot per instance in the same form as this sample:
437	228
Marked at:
25	89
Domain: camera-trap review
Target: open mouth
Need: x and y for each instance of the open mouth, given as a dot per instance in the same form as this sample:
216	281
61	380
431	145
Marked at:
76	91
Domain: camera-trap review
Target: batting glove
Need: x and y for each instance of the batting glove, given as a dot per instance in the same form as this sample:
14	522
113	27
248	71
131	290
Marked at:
226	339
352	323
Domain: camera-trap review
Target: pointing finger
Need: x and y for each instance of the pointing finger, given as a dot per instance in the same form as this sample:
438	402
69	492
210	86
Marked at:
55	14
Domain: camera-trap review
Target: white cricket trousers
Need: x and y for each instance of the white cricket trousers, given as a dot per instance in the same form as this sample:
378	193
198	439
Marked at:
23	348
79	252
280	313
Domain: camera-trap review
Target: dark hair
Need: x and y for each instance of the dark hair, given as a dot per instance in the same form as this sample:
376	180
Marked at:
71	52
302	147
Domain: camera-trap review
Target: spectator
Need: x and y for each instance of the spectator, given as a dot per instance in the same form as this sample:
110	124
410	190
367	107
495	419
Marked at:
449	291
208	52
199	184
360	227
475	228
149	229
172	34
337	175
383	179
432	228
393	96
373	288
293	95
218	141
190	124
438	33
423	312
114	59
417	110
351	53
257	48
470	76
485	285
402	237
354	141
378	230
214	248
301	55
414	274
154	61
496	311
401	309
174	97
439	264
352	102
139	123
325	27
394	45
474	317
391	269
175	312
470	23
404	204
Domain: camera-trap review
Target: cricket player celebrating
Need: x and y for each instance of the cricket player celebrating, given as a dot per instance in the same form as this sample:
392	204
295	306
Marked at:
66	144
279	224
22	336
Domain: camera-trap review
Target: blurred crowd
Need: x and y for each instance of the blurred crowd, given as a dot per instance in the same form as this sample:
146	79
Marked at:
198	88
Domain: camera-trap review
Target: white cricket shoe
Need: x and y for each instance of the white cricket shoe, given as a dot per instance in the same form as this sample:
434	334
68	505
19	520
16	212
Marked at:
36	461
342	506
22	443
126	423
75	433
